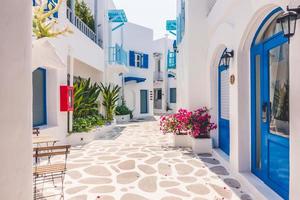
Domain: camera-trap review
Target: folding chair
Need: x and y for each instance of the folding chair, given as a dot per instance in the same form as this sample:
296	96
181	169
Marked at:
43	173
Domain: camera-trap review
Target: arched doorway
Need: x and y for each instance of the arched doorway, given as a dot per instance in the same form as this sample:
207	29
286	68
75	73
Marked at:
270	105
223	104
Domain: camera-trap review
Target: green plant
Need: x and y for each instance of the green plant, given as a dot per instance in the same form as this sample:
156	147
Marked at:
110	94
85	98
43	22
123	109
83	12
85	124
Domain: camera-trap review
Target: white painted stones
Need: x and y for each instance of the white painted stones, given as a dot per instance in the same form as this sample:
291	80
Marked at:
127	165
148	184
98	170
127	177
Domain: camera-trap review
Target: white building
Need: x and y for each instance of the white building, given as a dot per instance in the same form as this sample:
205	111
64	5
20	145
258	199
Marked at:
164	81
254	98
114	51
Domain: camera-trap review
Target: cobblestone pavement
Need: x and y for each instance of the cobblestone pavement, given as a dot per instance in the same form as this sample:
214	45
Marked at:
141	164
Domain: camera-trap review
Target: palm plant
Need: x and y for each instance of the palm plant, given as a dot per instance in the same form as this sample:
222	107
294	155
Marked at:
43	22
85	98
110	95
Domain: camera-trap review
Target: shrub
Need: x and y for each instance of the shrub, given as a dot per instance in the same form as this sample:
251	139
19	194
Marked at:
110	94
196	123
200	123
178	123
87	123
123	109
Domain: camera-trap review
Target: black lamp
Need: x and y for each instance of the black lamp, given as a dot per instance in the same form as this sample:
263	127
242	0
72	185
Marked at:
227	55
288	21
175	46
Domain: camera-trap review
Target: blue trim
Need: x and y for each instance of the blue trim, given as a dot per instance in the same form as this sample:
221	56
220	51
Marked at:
131	58
132	78
224	124
274	149
144	102
145	61
44	74
263	23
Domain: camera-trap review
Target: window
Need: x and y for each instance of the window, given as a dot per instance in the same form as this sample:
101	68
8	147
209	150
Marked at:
137	59
39	97
172	95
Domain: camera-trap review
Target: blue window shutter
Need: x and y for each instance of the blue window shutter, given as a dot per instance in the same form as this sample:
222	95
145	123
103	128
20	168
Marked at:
39	106
33	3
131	58
145	61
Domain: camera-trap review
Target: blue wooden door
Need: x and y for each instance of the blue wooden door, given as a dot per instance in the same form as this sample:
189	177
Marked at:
224	130
144	101
270	160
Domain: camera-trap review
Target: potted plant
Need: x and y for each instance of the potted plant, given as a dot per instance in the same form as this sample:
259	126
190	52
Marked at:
178	124
200	131
123	113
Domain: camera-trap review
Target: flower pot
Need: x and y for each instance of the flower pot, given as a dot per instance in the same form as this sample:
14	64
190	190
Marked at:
122	118
182	140
201	145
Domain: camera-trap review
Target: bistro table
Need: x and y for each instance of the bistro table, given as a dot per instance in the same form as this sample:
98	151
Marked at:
43	139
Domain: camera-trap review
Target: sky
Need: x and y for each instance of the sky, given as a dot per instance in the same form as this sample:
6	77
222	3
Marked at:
150	13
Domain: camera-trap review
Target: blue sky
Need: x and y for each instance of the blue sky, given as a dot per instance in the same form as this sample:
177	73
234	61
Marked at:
149	13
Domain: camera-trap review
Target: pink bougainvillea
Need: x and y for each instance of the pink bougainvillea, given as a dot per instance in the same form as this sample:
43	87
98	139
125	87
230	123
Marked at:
178	123
201	123
196	123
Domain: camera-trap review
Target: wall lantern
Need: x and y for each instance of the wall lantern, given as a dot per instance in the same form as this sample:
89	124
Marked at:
175	48
288	21
227	55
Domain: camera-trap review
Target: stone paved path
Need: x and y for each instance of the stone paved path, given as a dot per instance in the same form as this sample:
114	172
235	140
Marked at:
141	164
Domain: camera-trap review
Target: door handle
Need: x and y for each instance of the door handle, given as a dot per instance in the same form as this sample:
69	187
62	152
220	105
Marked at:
264	115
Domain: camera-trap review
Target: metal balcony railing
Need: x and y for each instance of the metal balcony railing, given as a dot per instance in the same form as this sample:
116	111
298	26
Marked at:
171	60
117	55
83	27
210	5
158	76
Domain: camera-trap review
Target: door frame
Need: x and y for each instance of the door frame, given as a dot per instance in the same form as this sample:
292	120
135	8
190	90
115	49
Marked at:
223	122
147	101
261	49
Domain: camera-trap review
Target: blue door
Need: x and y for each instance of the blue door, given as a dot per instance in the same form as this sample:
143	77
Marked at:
224	131
270	106
144	101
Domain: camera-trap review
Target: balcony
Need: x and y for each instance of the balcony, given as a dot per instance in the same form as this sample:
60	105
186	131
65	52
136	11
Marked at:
210	5
83	27
118	56
158	76
171	60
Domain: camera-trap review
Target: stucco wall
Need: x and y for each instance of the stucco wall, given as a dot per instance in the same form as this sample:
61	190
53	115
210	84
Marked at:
15	103
232	24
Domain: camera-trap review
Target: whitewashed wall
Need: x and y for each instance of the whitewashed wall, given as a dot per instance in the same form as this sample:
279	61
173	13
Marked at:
15	103
232	24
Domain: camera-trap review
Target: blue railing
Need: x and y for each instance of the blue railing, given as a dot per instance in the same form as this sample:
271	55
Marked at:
171	60
117	55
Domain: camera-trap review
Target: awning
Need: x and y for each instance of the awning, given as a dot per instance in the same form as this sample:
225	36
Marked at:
171	76
132	78
44	54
